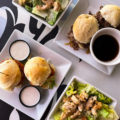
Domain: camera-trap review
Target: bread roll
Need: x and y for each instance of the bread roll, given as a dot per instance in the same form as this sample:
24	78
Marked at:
84	28
10	74
111	13
37	70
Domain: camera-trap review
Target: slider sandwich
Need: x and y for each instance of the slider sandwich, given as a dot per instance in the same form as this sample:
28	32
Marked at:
109	16
40	73
11	74
84	27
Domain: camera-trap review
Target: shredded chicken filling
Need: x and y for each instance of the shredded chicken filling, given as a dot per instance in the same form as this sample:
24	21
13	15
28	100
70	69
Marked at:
77	105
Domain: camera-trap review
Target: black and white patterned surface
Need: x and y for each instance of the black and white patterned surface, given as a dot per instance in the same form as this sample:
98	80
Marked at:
16	19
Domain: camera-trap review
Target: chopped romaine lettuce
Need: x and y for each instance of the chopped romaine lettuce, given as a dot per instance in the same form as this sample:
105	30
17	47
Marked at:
28	8
87	88
42	14
52	17
81	87
90	117
64	4
92	91
74	84
57	116
102	98
60	1
51	81
28	2
68	118
104	113
107	113
74	88
36	2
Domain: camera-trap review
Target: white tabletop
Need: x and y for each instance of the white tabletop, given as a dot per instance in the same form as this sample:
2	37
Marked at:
109	84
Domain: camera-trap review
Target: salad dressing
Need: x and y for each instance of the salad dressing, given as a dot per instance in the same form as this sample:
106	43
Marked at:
19	50
30	96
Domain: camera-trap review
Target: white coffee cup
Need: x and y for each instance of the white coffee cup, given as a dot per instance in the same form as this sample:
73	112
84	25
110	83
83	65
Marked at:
106	31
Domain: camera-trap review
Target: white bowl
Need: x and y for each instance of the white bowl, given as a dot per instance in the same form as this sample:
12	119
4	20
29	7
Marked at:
15	2
50	116
112	32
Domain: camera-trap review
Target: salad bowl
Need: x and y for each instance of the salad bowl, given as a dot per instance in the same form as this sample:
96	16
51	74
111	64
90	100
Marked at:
50	20
101	96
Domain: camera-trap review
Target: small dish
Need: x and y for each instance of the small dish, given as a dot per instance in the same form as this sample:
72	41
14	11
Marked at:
15	2
19	50
111	32
29	96
50	116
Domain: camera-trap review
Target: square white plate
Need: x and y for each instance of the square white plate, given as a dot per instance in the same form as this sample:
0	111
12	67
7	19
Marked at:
50	116
61	64
15	2
83	6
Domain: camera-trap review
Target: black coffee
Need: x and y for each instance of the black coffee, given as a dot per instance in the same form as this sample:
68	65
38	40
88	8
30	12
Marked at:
105	48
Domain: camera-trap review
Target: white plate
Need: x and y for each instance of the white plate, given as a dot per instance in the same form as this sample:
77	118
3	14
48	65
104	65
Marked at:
50	116
15	2
83	6
62	66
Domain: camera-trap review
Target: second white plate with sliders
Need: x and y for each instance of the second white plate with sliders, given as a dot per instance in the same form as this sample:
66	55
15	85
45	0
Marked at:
37	59
92	17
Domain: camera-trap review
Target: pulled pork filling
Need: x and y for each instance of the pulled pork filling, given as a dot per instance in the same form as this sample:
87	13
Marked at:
75	44
102	22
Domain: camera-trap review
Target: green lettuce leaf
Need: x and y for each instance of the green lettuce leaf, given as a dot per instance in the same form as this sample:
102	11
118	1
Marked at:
42	14
51	81
28	8
104	113
107	113
57	116
90	117
36	2
64	4
52	17
102	98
